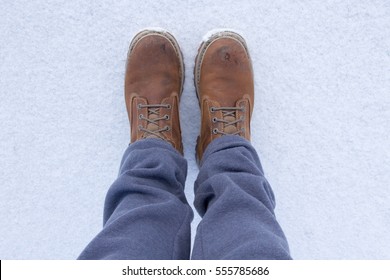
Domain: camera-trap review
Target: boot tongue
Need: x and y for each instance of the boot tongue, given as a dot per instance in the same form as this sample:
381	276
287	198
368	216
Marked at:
230	129
152	126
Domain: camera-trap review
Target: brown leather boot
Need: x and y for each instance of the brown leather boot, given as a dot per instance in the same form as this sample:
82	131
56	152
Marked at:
225	88
153	85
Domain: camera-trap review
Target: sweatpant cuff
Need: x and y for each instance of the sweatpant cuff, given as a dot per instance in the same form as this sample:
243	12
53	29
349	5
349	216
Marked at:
226	142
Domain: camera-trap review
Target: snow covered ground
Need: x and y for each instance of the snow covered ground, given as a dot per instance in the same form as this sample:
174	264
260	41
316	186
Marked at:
321	121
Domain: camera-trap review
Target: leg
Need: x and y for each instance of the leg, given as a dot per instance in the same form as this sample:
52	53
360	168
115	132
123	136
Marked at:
231	193
236	203
146	214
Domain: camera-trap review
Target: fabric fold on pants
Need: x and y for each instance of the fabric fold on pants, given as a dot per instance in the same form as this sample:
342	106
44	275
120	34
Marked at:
236	204
146	214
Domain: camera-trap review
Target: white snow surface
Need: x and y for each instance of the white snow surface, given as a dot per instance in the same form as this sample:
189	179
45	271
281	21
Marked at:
321	119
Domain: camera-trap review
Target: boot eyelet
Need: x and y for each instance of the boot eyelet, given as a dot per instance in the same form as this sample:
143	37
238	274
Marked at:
140	127
168	128
169	106
215	130
140	116
212	109
139	106
214	120
166	117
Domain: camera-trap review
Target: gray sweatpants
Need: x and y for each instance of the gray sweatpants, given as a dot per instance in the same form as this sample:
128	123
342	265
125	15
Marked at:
146	214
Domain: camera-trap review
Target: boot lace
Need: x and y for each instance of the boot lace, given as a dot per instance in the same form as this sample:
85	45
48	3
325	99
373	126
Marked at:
153	128
229	120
